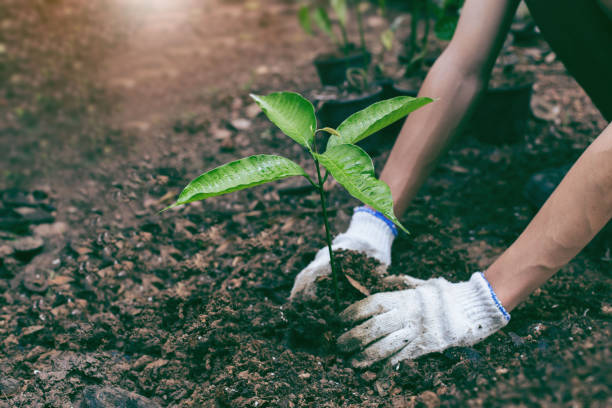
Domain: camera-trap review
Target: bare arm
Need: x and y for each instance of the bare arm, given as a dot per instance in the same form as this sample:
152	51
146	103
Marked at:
579	207
457	78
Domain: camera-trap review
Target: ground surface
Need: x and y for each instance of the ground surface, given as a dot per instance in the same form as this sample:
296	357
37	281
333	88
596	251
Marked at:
108	109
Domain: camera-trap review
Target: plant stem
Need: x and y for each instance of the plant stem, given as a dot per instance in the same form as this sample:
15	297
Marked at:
344	39
328	238
360	25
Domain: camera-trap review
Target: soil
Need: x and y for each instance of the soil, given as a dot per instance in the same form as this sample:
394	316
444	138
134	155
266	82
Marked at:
509	78
314	324
109	303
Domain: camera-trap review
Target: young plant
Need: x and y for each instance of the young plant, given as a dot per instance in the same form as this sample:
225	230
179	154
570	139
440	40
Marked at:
346	162
308	13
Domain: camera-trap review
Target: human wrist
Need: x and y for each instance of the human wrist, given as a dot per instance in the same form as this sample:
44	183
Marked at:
480	303
373	229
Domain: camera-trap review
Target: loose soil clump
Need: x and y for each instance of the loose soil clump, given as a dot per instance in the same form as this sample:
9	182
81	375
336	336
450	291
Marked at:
314	324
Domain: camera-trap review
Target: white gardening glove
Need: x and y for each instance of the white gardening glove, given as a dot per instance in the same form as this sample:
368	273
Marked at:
432	317
369	232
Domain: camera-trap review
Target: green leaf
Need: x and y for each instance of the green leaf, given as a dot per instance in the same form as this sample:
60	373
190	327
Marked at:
370	120
340	9
445	27
321	19
386	38
304	19
353	168
293	114
238	175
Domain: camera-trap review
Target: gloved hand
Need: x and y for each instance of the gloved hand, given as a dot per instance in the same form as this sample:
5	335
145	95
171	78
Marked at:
369	232
433	316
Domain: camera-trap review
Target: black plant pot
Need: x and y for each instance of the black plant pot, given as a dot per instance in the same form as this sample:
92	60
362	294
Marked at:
332	69
333	112
501	116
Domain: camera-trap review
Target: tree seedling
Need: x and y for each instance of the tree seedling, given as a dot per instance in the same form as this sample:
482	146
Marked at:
346	162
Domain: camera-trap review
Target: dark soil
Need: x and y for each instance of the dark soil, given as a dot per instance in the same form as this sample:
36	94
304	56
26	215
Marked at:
112	303
314	324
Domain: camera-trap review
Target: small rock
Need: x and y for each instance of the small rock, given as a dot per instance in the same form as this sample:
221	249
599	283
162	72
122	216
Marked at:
220	133
429	398
26	248
304	376
114	397
241	124
49	230
501	370
9	386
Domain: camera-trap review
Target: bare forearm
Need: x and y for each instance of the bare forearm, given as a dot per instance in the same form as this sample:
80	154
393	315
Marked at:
427	132
578	209
456	79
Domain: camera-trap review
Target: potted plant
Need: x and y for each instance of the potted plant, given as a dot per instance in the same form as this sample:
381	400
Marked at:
444	14
331	67
363	86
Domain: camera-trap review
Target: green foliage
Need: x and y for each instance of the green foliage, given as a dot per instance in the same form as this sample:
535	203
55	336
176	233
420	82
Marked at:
445	27
353	169
341	10
304	19
375	117
347	163
293	114
386	39
295	117
321	19
447	16
238	175
313	10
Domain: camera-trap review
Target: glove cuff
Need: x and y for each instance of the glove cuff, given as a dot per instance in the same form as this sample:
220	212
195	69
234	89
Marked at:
481	305
372	229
